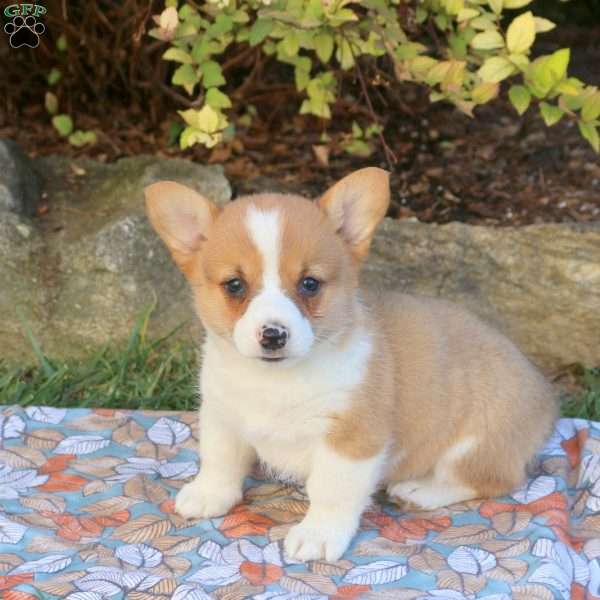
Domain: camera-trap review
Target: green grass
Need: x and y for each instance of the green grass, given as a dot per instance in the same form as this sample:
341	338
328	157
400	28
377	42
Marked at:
145	374
158	374
585	404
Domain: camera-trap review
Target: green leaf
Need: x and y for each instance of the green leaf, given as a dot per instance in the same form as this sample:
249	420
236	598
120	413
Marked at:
539	77
550	114
590	133
323	46
63	124
409	50
177	55
290	44
358	148
344	53
458	46
61	43
302	77
186	76
51	103
521	33
54	76
441	21
217	99
82	138
421	14
487	40
520	98
591	107
558	62
496	69
259	31
357	132
212	76
223	24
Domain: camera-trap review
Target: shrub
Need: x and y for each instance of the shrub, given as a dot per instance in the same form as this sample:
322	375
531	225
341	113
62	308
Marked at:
463	51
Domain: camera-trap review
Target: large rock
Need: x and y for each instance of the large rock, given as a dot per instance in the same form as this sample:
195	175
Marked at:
82	274
20	185
539	284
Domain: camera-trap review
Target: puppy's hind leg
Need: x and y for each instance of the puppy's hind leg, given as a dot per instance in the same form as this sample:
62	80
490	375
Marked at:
449	482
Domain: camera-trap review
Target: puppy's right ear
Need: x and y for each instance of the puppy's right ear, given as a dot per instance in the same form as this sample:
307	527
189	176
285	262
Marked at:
181	217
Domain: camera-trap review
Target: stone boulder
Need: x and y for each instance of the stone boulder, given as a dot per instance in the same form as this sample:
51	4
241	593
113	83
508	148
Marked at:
539	284
88	269
83	273
20	184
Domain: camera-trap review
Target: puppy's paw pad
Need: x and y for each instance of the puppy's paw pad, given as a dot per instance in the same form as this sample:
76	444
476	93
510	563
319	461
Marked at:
312	542
194	501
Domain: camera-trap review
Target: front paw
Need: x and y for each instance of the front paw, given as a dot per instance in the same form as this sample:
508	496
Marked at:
197	500
316	539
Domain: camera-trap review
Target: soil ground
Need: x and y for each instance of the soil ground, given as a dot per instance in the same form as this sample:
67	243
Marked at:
496	169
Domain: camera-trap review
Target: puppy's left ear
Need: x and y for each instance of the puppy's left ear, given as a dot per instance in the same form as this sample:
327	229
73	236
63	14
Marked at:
356	205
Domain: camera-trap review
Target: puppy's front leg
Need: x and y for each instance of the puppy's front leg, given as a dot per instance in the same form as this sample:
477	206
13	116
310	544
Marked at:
226	460
339	489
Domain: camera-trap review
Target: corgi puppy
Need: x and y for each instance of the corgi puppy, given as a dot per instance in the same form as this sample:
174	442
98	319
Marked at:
332	385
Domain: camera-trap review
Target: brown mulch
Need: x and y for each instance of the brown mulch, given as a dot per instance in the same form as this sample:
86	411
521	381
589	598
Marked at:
495	169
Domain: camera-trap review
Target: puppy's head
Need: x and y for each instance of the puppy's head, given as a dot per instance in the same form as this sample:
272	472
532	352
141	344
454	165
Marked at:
272	274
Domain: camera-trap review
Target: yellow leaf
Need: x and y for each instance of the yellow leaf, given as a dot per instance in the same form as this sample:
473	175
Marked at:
438	72
420	64
487	40
484	92
496	6
496	69
542	25
519	60
454	77
206	119
483	22
521	33
516	3
591	107
453	7
168	19
466	13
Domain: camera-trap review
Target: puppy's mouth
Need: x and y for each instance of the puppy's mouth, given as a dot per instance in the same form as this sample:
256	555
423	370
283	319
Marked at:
273	358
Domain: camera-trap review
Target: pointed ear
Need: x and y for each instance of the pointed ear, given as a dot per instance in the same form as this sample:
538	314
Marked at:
356	205
181	218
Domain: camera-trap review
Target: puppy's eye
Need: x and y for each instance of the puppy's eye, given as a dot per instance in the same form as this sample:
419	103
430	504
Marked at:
235	287
309	286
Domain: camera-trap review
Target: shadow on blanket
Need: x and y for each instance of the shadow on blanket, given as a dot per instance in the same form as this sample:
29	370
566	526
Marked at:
87	514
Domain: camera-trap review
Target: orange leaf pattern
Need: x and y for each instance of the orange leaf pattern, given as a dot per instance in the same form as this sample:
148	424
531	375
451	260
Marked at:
87	512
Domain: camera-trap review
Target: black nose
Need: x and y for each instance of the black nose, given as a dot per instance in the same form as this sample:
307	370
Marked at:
273	338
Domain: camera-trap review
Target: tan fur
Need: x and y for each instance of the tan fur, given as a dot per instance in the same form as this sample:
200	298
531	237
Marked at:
438	375
453	377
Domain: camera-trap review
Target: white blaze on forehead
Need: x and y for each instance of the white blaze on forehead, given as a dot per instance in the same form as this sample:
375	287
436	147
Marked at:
271	305
264	228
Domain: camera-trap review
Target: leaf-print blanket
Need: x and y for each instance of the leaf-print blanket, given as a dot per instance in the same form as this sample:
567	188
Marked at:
87	514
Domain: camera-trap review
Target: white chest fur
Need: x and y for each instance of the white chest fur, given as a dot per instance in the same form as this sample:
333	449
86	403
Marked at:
283	410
